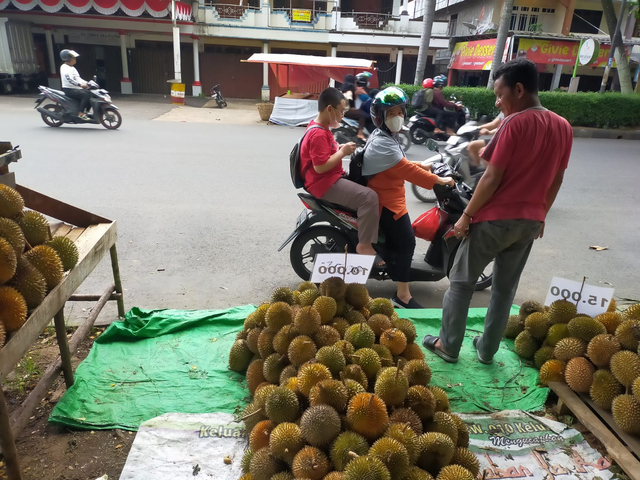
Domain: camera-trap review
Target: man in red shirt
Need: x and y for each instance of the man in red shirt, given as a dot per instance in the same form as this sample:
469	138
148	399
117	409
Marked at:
527	159
321	167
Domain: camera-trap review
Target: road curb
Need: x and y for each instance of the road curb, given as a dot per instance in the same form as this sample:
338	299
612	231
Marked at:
609	134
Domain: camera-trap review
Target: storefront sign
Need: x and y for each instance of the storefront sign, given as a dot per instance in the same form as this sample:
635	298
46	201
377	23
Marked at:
588	51
301	15
559	52
94	37
475	55
588	299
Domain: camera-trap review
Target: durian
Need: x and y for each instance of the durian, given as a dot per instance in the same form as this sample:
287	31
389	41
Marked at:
8	261
436	451
604	389
585	328
442	401
529	307
307	286
542	355
10	231
610	320
515	325
628	333
263	465
407	327
463	431
282	405
537	324
301	350
525	345
332	358
278	315
367	415
625	366
552	371
633	312
421	400
46	261
360	336
394	340
240	356
307	321
569	348
66	250
355	372
601	348
379	323
562	311
392	454
326	308
283	294
413	352
265	343
307	297
409	417
310	463
357	295
556	333
392	386
11	202
325	336
366	468
368	360
309	375
417	372
342	447
416	473
626	413
254	375
381	305
333	287
330	392
579	374
35	227
259	437
443	422
455	472
341	325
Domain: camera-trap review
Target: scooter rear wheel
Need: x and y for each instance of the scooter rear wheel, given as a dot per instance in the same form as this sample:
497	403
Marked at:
418	135
423	194
52	122
320	239
110	118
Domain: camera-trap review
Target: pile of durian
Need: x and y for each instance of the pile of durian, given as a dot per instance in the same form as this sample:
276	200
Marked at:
31	261
595	356
341	392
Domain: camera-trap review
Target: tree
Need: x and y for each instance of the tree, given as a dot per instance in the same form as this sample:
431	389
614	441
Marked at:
620	55
501	41
429	12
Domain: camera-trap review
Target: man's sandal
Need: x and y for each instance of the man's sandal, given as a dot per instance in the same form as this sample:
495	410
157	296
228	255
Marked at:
429	342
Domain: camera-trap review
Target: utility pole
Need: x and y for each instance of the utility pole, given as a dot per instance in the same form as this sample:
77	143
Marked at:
176	44
617	48
429	12
501	41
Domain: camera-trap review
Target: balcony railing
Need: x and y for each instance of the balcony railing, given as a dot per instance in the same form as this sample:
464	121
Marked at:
229	11
289	12
370	19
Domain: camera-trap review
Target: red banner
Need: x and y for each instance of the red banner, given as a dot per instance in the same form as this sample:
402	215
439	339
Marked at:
559	52
475	55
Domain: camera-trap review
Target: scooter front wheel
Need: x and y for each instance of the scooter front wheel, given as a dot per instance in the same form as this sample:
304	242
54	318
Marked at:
405	140
320	239
52	122
418	135
110	118
423	194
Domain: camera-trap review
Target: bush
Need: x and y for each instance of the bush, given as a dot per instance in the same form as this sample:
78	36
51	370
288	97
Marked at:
583	109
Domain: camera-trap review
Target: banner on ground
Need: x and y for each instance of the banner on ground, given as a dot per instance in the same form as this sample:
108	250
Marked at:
560	52
509	445
475	55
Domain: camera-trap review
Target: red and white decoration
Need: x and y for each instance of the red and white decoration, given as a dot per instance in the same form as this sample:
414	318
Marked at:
133	8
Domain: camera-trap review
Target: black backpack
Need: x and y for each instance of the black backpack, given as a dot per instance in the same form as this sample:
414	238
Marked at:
297	177
355	167
417	100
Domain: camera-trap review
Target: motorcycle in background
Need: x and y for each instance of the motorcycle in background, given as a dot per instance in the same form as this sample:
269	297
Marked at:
422	127
348	132
216	95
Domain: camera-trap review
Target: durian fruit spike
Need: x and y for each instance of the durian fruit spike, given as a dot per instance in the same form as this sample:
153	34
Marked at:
35	227
13	309
8	261
46	261
11	202
66	250
10	231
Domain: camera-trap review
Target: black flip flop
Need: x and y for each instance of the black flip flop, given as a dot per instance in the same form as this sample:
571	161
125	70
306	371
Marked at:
480	359
429	342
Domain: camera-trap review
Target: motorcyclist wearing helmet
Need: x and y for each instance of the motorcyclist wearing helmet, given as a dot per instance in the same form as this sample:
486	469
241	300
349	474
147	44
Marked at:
351	93
387	168
427	109
445	118
72	84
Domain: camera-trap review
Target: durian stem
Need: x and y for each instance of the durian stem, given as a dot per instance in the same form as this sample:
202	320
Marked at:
251	415
584	279
346	253
371	400
353	455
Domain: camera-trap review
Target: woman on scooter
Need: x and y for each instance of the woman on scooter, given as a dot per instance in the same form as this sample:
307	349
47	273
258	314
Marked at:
387	168
351	92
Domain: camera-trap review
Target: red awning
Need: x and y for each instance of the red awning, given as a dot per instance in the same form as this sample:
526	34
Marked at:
133	8
295	70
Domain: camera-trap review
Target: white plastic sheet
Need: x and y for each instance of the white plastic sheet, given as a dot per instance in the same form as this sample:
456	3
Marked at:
293	112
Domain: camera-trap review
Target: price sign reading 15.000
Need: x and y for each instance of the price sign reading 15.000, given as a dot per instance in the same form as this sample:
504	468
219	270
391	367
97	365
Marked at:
356	270
590	300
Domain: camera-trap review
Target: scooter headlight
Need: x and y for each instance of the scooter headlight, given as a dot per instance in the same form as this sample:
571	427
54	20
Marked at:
107	98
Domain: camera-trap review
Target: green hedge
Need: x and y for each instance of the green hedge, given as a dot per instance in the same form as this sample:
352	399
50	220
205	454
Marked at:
583	109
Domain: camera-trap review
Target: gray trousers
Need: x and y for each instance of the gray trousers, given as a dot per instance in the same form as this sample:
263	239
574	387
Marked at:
508	242
363	200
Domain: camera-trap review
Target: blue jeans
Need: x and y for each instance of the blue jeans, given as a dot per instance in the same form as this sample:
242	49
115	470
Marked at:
509	243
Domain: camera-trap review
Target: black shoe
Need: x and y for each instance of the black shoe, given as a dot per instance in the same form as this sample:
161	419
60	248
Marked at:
480	358
400	304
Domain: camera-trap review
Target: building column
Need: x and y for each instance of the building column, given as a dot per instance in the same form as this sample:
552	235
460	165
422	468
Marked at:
196	86
555	81
334	53
126	88
266	93
53	77
335	16
396	8
570	6
399	66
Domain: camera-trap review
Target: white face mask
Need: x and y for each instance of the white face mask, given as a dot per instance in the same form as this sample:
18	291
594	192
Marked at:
334	123
394	124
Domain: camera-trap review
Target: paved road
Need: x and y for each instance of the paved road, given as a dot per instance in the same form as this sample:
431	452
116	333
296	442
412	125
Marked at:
210	203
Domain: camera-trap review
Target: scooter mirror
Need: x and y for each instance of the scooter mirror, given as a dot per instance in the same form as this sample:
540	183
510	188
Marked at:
95	78
432	145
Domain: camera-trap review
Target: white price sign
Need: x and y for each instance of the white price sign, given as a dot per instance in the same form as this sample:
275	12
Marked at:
356	269
589	299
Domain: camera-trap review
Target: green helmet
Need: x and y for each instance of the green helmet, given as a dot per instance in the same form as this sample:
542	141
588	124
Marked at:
388	98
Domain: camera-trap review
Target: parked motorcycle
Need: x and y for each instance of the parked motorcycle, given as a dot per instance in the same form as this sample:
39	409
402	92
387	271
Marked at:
324	227
216	95
348	132
65	109
421	127
455	151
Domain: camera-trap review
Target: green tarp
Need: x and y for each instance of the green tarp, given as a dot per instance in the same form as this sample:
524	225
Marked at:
162	361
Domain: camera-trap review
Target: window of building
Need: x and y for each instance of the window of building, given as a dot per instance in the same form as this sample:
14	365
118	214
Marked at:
453	24
523	17
586	21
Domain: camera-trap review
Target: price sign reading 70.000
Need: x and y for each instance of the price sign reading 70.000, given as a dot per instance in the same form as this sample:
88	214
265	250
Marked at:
356	270
588	299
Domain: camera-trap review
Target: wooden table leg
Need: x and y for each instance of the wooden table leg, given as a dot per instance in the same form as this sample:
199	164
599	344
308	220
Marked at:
7	442
65	355
116	279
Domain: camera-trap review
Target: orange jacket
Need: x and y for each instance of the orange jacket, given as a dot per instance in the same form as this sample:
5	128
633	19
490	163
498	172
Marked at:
389	185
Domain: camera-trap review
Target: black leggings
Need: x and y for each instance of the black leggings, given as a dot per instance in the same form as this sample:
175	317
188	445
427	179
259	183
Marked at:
356	114
400	242
84	96
446	117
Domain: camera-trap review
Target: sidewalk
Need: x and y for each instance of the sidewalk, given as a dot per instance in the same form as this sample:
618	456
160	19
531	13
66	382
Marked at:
609	134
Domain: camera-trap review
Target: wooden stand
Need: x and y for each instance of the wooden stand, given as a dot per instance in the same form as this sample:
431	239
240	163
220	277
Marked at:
94	237
622	447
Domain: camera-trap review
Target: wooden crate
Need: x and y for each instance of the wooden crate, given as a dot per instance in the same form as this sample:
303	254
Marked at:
622	447
94	237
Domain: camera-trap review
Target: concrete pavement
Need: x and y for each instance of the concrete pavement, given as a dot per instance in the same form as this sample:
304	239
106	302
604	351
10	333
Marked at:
203	207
